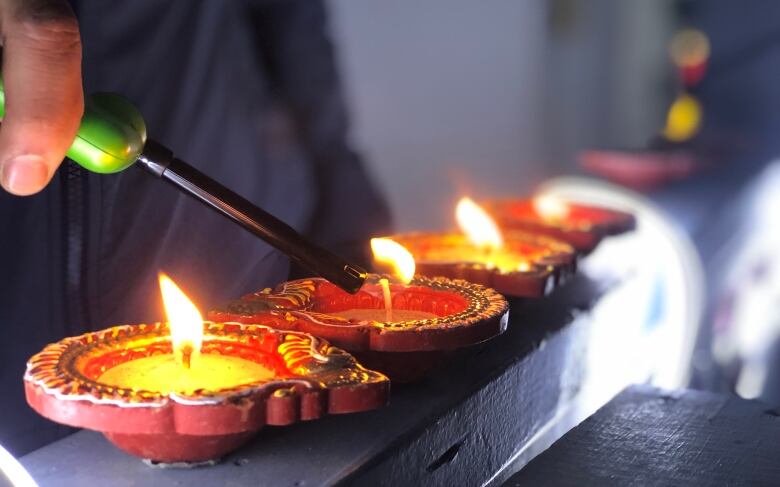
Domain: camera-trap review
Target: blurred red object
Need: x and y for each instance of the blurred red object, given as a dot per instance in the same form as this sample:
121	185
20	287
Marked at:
641	169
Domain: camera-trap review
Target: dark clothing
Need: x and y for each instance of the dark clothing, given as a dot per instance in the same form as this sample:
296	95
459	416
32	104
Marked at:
245	91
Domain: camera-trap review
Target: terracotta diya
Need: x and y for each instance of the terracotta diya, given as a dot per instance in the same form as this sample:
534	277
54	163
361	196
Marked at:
403	330
198	398
513	263
580	225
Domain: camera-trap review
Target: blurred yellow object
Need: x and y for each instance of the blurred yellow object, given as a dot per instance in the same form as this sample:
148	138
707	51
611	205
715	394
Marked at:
683	119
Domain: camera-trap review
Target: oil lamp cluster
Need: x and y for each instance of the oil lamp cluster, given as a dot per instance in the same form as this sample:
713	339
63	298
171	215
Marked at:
192	391
441	290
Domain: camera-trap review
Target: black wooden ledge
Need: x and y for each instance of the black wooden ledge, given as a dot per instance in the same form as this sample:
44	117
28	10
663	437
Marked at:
646	436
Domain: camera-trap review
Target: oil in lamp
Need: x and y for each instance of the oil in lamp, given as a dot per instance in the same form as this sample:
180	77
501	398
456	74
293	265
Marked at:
189	391
514	263
580	225
403	326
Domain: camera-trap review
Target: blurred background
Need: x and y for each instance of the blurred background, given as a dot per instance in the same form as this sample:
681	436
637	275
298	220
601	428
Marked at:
494	99
673	102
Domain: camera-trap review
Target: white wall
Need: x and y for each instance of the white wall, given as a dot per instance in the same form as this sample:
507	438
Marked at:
445	97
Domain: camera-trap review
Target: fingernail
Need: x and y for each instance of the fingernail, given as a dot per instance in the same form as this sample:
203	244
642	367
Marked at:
25	175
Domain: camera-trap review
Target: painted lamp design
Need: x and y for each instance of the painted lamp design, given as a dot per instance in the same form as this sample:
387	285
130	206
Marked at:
513	263
580	225
189	391
404	328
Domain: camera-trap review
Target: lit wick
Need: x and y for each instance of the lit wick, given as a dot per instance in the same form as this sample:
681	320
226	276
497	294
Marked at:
186	355
390	253
185	323
388	299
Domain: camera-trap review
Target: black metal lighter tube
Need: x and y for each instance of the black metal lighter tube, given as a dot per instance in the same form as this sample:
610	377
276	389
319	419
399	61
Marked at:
159	160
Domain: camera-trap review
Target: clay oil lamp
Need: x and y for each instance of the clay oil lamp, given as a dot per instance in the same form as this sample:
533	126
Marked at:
513	263
404	326
580	225
188	391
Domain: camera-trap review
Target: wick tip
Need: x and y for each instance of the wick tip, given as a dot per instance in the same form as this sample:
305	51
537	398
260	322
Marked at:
186	356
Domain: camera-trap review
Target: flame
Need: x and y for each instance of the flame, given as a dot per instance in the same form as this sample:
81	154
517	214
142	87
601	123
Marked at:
185	321
480	229
550	207
389	252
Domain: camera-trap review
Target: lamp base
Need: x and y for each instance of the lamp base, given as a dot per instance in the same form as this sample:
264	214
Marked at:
179	450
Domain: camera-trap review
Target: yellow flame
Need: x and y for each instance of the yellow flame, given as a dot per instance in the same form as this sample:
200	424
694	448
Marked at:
185	321
551	207
389	252
480	229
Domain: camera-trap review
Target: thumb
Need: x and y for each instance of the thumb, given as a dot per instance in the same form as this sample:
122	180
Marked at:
44	100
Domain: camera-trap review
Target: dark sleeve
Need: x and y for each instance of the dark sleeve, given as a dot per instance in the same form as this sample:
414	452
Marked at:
296	52
298	56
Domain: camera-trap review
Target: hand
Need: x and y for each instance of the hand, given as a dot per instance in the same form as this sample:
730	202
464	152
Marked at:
44	97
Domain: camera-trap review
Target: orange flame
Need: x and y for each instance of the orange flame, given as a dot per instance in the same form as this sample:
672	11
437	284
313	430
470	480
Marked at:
184	320
391	253
480	229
